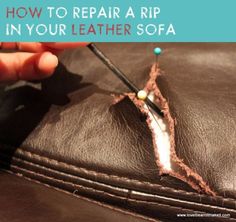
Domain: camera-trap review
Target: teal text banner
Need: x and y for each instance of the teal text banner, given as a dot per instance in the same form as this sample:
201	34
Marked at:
118	21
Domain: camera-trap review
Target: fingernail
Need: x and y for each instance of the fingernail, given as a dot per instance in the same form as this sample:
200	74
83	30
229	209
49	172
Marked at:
48	61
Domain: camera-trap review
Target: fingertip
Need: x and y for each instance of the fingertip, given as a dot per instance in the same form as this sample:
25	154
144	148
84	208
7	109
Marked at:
47	63
65	45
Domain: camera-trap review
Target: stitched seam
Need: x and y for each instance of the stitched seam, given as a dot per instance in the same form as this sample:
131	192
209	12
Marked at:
81	197
54	171
44	168
102	192
60	163
63	174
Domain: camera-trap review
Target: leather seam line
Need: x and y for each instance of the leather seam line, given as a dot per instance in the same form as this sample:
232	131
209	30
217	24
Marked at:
81	197
77	184
40	157
60	163
98	191
86	171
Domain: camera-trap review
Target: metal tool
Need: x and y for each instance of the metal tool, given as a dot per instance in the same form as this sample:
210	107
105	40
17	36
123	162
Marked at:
123	77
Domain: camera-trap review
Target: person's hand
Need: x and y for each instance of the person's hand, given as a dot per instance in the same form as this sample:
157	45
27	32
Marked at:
34	60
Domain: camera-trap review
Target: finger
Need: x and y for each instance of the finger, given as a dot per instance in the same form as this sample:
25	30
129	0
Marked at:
26	66
41	47
27	46
8	45
35	47
31	47
65	45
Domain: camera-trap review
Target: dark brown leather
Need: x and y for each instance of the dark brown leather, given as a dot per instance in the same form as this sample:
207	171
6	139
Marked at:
69	135
22	200
200	85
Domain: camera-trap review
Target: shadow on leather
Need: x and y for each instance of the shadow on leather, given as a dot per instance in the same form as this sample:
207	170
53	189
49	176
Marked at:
23	107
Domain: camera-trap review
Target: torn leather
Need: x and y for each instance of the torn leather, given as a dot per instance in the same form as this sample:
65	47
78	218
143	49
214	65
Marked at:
176	168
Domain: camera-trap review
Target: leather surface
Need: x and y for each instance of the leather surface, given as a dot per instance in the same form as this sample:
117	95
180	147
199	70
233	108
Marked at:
22	200
71	136
200	85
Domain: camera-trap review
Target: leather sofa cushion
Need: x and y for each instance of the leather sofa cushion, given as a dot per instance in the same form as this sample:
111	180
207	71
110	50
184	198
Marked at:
24	200
66	132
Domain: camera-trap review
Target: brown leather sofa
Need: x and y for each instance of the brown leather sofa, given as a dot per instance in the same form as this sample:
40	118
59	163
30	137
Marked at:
68	153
